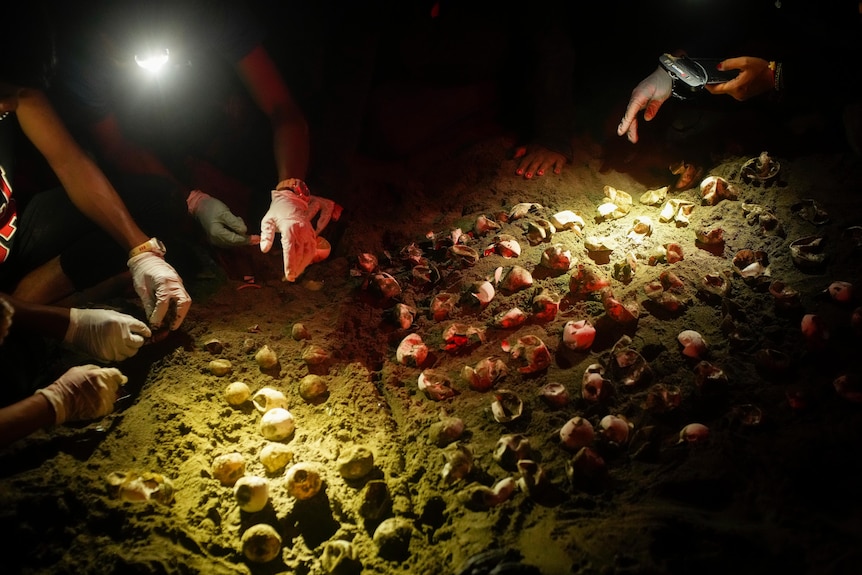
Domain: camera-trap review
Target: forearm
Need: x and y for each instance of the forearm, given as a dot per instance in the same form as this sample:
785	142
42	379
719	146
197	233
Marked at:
92	193
24	417
84	182
47	321
290	147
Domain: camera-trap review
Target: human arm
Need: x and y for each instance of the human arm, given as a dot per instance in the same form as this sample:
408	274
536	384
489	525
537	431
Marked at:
221	226
82	393
756	76
24	418
289	127
91	192
102	334
84	182
648	95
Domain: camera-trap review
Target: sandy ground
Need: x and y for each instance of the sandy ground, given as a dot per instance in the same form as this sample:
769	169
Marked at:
768	484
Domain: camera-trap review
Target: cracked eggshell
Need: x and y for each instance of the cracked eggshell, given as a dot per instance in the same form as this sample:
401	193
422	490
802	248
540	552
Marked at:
693	344
267	398
228	468
277	424
577	433
303	480
251	493
579	335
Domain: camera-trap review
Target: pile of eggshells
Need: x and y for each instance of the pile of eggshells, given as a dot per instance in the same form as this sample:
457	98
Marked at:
529	354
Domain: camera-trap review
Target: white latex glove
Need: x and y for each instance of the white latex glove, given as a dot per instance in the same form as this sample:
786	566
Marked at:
84	392
288	215
223	228
104	334
161	290
648	96
326	210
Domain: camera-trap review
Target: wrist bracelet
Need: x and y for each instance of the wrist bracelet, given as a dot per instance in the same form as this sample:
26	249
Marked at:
294	185
777	76
151	245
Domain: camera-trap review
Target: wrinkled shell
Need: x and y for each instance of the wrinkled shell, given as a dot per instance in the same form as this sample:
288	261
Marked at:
529	352
339	556
237	393
141	486
615	429
516	279
578	335
458	463
555	394
275	456
485	374
220	367
228	468
277	424
266	358
356	462
510	449
445	431
313	387
507	406
693	344
412	351
557	257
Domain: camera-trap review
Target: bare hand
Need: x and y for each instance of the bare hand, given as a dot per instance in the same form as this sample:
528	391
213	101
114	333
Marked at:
755	78
537	160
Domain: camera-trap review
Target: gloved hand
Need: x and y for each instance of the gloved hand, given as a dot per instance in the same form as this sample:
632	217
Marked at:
161	290
223	228
84	392
648	96
288	215
325	210
104	334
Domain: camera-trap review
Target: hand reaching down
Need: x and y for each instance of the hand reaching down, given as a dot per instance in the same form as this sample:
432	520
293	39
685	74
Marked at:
161	290
84	392
537	160
105	335
222	228
648	95
290	214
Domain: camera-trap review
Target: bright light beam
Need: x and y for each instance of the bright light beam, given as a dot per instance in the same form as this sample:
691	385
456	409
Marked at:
154	62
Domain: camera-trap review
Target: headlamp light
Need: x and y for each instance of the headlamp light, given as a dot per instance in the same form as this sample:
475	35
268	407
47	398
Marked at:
153	61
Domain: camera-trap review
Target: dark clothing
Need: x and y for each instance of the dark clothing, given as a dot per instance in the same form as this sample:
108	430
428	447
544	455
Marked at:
195	107
48	224
817	44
